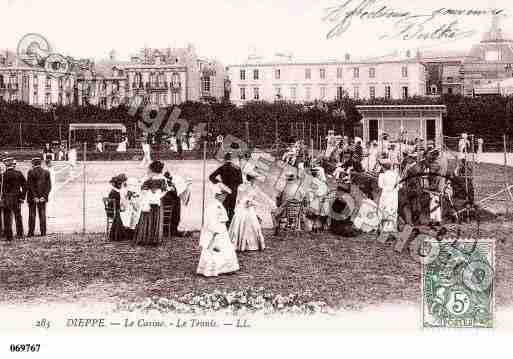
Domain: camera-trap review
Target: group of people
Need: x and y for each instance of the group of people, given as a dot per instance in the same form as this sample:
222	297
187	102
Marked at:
414	172
136	207
15	189
57	152
186	142
232	220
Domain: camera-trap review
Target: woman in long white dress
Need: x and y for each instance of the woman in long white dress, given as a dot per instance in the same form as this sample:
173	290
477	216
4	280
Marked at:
389	199
185	145
172	144
192	142
373	156
218	254
122	145
72	160
318	204
146	153
245	230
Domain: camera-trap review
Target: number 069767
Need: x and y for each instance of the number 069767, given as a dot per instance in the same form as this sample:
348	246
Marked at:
24	348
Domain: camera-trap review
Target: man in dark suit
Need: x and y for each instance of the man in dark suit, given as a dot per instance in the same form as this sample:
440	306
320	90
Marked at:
15	189
231	176
39	186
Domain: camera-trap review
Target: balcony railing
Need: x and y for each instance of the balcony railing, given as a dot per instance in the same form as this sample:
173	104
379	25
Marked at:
175	86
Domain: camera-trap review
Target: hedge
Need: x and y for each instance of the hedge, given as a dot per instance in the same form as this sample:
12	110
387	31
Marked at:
489	117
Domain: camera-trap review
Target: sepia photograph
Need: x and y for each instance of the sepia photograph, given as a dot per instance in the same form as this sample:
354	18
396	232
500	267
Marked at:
236	166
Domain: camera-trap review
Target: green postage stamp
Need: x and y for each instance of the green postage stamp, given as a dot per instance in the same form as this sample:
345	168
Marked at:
458	283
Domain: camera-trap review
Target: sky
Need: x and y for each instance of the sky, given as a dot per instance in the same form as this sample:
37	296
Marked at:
229	29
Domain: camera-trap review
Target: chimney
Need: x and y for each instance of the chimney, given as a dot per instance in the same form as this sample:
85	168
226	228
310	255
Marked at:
408	54
347	57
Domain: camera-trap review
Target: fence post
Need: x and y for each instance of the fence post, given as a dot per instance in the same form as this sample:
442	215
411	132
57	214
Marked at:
506	184
84	190
276	134
247	133
204	181
21	135
317	135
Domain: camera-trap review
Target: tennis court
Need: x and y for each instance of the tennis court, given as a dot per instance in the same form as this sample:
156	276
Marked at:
65	208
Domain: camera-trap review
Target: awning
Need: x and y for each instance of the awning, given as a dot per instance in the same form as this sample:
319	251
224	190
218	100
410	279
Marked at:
97	126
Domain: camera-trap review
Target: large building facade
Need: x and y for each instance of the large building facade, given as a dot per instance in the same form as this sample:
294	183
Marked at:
309	81
491	62
22	81
474	72
157	77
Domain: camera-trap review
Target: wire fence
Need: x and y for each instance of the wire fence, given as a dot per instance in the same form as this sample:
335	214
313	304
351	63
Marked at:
491	170
27	136
76	203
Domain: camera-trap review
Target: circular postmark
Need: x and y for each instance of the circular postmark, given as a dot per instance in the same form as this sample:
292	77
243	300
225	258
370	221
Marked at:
478	275
33	46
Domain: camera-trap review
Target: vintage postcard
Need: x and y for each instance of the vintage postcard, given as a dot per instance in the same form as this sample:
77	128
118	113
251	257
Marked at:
227	165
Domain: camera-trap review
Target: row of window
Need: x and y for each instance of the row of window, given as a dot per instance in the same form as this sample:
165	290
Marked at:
157	78
48	99
322	73
341	92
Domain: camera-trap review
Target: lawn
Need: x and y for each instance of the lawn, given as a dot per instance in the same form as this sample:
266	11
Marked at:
344	272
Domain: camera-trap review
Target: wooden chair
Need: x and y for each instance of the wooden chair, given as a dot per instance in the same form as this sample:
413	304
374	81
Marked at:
292	217
166	214
110	212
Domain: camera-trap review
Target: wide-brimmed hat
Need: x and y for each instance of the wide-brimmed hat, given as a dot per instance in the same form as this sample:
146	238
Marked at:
344	186
9	162
434	152
290	177
116	181
156	166
123	177
36	161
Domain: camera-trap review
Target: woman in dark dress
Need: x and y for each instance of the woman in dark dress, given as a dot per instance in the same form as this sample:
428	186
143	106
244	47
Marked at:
117	230
171	199
153	189
341	211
